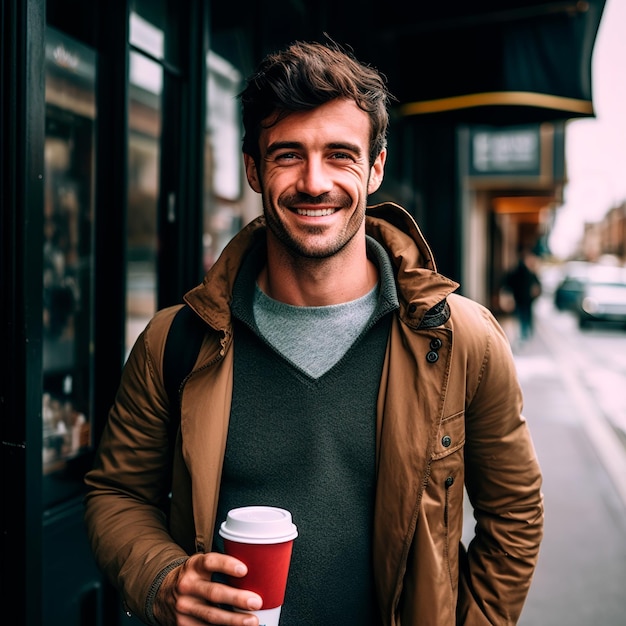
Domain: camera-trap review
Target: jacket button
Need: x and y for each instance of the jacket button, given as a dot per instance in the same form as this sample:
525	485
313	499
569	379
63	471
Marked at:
446	441
435	343
449	481
432	357
412	308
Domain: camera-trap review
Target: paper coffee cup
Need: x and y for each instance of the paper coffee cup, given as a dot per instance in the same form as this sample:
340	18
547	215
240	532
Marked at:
262	538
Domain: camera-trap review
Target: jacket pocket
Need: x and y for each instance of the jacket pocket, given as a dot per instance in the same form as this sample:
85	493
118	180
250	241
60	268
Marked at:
451	436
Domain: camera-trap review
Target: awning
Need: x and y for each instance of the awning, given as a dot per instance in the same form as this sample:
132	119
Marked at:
490	61
482	61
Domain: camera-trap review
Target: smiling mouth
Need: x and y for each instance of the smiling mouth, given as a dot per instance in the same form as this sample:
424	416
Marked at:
315	212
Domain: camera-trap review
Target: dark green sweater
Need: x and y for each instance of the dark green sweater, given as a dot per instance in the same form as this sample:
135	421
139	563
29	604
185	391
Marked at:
308	445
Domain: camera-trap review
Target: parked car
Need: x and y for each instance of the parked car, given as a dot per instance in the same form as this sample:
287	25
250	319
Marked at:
568	292
604	297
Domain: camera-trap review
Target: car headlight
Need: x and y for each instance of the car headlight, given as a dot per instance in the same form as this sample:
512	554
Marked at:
589	305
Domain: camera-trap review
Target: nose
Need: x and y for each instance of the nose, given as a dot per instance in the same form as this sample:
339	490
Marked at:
314	178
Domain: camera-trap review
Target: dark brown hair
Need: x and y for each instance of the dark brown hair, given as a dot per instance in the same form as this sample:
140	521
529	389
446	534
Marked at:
304	76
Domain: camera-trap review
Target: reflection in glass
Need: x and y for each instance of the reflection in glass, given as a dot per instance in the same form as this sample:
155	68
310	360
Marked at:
144	119
146	36
68	255
155	28
223	215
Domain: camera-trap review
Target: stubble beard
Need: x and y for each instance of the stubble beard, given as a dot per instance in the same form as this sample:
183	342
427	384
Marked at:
300	247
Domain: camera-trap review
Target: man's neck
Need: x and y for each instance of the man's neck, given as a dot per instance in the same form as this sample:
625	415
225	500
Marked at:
318	282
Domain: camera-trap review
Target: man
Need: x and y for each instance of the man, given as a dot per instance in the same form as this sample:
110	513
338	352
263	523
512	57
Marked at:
525	287
340	378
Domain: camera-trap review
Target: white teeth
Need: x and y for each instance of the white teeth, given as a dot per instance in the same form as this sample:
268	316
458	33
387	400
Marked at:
315	212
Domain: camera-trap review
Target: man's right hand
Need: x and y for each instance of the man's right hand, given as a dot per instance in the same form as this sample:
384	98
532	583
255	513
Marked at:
189	597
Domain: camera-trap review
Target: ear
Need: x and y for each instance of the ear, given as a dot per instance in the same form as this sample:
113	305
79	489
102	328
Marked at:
251	173
377	172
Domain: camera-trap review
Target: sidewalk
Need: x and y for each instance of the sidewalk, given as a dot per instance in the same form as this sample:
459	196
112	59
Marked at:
580	577
548	352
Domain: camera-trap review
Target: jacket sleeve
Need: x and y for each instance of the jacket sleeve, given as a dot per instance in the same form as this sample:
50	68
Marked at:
131	477
503	482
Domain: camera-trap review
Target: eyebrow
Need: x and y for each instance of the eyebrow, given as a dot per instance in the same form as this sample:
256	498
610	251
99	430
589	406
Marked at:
283	145
296	145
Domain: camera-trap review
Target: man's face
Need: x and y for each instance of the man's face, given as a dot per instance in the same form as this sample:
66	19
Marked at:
314	177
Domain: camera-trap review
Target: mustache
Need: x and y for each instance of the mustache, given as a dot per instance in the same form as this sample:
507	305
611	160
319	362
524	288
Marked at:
333	199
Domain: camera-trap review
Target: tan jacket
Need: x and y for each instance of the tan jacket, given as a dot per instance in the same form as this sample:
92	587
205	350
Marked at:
448	414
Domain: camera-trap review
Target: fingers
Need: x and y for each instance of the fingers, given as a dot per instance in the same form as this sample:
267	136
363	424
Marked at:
202	612
198	597
219	593
216	562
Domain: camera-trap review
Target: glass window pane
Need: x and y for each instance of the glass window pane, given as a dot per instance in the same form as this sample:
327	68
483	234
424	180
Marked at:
146	36
155	29
69	160
145	123
223	209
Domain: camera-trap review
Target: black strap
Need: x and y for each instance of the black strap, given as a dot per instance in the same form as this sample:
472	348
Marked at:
181	351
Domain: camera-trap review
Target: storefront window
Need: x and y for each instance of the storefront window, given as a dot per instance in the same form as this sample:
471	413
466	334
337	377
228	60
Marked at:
145	127
223	213
68	262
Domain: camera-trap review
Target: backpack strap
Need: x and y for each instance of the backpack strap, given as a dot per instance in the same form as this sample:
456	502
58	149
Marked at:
182	345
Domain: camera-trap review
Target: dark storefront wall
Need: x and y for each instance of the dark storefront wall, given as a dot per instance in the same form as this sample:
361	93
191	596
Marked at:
80	139
21	185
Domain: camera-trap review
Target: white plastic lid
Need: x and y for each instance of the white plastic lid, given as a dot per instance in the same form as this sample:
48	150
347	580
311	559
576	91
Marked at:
258	524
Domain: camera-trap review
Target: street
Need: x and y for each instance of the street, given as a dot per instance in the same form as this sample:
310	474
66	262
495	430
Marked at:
574	386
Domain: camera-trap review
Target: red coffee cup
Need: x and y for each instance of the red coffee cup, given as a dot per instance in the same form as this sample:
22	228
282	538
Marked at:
261	537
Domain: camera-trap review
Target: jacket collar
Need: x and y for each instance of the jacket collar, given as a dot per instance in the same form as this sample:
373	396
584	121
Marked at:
421	290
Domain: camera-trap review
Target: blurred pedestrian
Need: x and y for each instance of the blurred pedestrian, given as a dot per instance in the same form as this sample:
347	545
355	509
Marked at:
524	285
